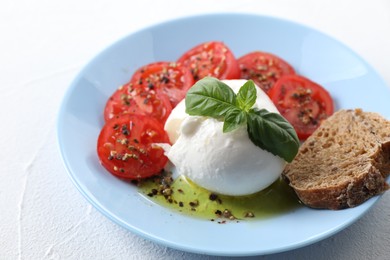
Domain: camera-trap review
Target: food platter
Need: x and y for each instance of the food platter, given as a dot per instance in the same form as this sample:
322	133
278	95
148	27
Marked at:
350	80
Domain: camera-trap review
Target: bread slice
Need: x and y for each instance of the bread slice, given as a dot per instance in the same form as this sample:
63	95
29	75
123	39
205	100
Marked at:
344	162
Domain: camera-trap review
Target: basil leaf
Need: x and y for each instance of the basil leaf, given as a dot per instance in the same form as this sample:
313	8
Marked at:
271	132
210	97
246	96
233	119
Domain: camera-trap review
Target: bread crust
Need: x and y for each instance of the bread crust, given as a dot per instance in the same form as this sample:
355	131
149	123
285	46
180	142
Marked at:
350	171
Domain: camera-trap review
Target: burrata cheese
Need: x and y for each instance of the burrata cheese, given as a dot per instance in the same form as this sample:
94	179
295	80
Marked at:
224	163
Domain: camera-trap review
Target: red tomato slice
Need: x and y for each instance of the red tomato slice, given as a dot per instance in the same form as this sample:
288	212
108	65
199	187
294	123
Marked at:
165	78
129	100
302	102
212	59
263	68
125	146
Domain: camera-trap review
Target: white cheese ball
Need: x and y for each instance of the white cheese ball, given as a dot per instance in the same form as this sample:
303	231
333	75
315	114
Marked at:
225	163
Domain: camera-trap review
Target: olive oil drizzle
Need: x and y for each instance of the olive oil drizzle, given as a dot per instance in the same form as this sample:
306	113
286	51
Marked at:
186	197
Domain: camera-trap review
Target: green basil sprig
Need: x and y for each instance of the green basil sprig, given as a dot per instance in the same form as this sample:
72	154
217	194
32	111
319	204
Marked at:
269	131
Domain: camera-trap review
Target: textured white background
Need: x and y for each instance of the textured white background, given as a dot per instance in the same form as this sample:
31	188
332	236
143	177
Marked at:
45	43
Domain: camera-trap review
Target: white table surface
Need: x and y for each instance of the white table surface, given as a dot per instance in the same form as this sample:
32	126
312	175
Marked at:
43	46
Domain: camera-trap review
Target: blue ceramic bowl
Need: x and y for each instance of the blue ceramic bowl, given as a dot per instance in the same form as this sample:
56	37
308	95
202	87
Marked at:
350	80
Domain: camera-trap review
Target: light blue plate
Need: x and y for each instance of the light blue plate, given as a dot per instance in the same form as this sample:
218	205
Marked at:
350	80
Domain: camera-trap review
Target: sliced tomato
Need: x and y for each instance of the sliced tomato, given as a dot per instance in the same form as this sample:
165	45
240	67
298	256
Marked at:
129	100
263	68
164	78
304	103
212	59
126	146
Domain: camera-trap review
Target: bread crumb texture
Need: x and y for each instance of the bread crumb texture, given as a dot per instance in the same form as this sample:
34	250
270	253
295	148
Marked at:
344	162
